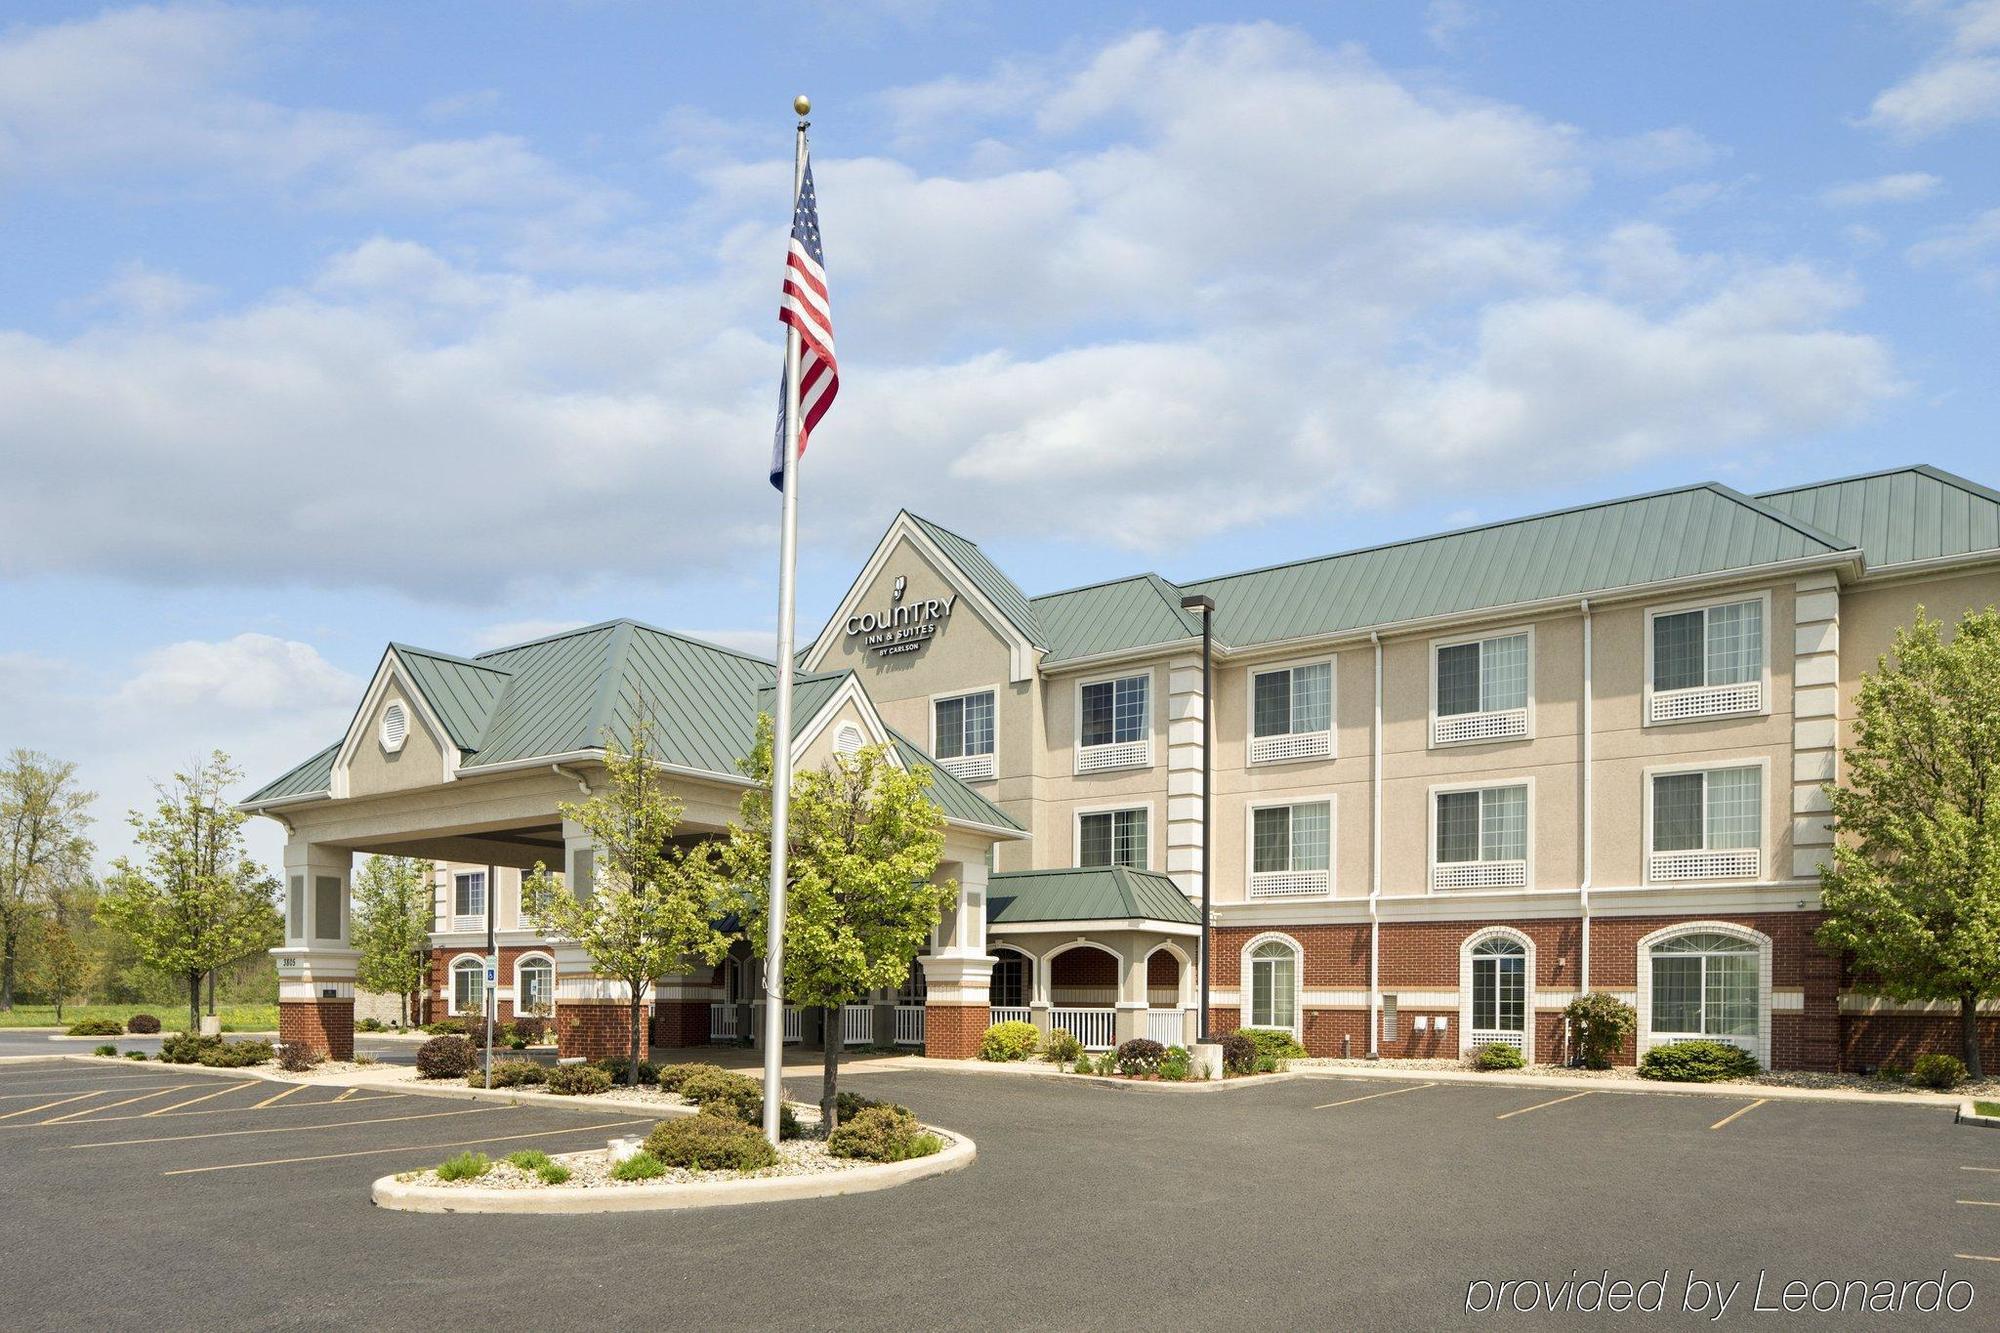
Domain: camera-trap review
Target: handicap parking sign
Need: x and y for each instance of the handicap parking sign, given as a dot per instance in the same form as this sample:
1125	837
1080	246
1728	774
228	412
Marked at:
489	976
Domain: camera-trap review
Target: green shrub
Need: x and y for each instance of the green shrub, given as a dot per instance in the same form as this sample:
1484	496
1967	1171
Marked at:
1141	1055
144	1025
1083	1065
1892	1073
578	1081
465	1166
446	1027
1009	1041
528	1159
1938	1071
106	1049
552	1173
640	1165
1176	1064
710	1142
237	1054
1062	1047
851	1104
618	1065
1497	1055
511	1074
741	1095
671	1077
882	1134
1599	1025
97	1027
1697	1062
1273	1046
444	1057
368	1025
1107	1063
1239	1054
135	1055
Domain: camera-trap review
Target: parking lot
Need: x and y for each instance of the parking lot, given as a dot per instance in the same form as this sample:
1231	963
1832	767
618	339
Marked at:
202	1199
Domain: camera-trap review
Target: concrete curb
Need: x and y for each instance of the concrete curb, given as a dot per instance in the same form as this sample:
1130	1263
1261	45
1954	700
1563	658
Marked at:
1641	1087
1039	1069
557	1200
1968	1114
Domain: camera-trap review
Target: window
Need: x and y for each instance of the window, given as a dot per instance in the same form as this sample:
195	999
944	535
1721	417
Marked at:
1112	838
535	987
468	901
1481	839
1010	980
468	986
1114	727
1481	690
1705	984
962	728
1707	824
1707	662
1291	713
1499	988
914	988
1274	985
1291	849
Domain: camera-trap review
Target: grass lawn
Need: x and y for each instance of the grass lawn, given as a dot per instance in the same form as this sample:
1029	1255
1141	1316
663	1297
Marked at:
235	1017
1986	1108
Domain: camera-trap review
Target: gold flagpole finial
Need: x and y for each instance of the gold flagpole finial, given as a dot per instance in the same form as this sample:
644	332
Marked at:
802	104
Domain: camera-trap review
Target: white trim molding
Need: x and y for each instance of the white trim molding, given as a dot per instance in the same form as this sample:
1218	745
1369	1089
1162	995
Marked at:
1504	875
1466	1044
1482	728
1760	1045
1291	747
1147	804
1707	865
1245	1014
1291	885
1116	756
390	670
1707	703
966	767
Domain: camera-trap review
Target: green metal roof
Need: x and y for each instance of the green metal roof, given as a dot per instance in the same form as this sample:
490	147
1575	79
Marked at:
984	575
461	692
957	800
1910	513
810	692
309	779
1098	893
1106	617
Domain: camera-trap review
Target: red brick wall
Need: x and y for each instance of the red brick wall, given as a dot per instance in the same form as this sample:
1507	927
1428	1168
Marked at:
1878	1039
1162	969
325	1025
440	985
594	1031
952	1031
1084	967
680	1023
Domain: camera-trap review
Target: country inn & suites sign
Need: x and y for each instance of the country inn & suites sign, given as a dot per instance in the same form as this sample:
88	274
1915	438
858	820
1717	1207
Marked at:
902	626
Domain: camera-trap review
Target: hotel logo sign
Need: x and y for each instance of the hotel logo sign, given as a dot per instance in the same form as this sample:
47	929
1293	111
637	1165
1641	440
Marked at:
904	625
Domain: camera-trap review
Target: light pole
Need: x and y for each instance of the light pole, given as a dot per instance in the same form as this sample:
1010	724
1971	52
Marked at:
1204	607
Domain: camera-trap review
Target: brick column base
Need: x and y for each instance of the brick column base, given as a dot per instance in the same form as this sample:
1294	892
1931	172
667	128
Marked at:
327	1026
680	1023
952	1031
595	1031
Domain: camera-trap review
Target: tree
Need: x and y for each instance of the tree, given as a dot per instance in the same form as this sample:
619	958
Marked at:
642	917
1913	893
44	852
62	967
863	841
196	900
392	925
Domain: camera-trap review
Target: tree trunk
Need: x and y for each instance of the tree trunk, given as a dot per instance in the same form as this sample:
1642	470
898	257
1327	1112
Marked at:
1968	1034
638	1050
194	1001
829	1077
7	973
211	992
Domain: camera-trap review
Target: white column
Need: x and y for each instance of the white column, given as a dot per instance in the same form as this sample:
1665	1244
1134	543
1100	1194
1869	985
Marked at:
1186	710
317	956
1815	714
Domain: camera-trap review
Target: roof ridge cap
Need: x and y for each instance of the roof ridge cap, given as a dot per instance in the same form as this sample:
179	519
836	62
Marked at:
608	688
413	650
1777	515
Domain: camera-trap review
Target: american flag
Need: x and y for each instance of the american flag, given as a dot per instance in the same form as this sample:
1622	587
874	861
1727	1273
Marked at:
805	308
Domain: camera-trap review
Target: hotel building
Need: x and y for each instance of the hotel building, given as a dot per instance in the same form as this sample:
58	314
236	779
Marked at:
1454	782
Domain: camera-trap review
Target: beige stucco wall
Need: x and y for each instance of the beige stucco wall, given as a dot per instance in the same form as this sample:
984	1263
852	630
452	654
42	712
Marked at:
420	763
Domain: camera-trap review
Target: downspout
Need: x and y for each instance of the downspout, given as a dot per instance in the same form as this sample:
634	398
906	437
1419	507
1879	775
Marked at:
1583	889
1375	871
582	783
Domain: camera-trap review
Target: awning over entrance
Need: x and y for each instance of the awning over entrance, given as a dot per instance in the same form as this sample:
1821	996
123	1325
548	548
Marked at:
1106	896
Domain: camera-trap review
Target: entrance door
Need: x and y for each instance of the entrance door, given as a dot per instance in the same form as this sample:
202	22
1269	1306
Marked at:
1499	993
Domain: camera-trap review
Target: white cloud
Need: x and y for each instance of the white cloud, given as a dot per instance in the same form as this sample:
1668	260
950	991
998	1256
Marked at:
147	293
1900	188
1445	21
1973	245
1958	85
510	632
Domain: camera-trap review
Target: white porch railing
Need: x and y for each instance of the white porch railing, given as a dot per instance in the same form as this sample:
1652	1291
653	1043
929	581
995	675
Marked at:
857	1025
1166	1026
722	1022
1007	1014
1095	1028
794	1025
909	1025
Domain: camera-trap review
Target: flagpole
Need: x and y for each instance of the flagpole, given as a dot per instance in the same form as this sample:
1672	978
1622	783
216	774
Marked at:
781	719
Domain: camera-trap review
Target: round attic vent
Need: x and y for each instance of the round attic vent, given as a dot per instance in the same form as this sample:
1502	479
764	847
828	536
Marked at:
395	727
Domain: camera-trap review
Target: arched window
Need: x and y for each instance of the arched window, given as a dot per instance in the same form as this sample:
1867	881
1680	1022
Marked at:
468	986
535	986
1705	984
1010	980
1274	985
913	989
1499	988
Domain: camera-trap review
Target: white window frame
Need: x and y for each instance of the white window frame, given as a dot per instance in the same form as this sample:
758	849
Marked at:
1708	864
1712	701
1760	1045
1111	808
1246	1017
1276	892
1291	747
393	745
976	767
1466	1044
1116	755
520	994
468	920
1513	724
451	1005
1503	876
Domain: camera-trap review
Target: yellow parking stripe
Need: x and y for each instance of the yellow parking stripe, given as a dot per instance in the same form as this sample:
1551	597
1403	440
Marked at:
234	1087
1373	1095
1980	1168
269	1101
1981	1203
1509	1115
92	1110
1741	1110
1981	1258
345	1095
286	1129
64	1085
30	1110
414	1147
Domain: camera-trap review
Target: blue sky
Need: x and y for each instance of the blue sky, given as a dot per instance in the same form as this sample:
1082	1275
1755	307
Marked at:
326	325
